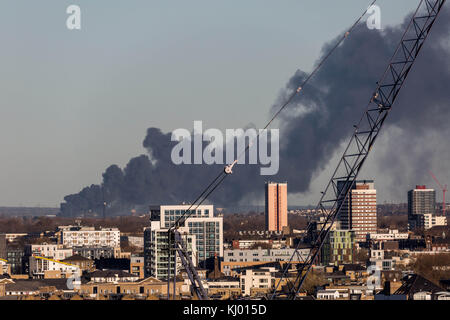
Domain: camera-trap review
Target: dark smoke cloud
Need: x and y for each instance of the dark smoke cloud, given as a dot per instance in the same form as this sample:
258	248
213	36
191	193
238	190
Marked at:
311	130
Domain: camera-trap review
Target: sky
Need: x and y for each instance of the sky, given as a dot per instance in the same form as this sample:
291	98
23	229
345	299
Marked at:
76	101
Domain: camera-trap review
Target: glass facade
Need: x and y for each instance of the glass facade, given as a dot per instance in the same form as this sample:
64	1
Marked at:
207	234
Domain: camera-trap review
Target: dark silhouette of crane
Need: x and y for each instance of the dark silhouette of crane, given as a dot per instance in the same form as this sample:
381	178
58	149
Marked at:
364	136
350	164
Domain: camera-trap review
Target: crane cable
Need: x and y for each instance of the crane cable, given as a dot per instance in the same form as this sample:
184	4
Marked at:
228	169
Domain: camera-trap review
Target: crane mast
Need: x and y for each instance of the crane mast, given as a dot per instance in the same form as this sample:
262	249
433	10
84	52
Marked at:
444	190
365	134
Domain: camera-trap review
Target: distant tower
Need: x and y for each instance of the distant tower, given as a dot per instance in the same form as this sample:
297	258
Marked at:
421	201
276	206
359	210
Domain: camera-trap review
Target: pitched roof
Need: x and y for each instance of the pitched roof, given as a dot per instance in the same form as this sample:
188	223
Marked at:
35	284
110	274
76	257
414	283
353	267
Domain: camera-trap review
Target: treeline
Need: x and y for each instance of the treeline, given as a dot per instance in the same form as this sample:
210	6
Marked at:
128	224
434	267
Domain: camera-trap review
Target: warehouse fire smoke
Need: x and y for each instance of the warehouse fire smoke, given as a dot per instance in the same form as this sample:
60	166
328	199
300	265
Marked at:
312	129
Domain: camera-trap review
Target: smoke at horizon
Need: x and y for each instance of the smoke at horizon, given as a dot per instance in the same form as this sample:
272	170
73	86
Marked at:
312	130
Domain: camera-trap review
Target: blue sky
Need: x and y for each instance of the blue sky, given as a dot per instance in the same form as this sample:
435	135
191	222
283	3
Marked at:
74	102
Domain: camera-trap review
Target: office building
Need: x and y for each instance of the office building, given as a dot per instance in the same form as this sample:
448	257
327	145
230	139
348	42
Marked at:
276	206
359	210
420	201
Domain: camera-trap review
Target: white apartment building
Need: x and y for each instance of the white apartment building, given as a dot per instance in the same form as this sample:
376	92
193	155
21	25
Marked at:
392	235
263	278
53	251
136	241
89	237
380	263
39	266
236	258
156	255
207	228
332	294
264	255
10	237
200	226
429	220
247	244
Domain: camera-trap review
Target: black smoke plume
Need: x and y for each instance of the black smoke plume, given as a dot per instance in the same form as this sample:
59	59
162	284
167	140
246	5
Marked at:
311	131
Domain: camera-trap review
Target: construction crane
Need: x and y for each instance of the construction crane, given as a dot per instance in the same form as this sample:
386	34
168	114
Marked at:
177	246
351	162
364	136
444	190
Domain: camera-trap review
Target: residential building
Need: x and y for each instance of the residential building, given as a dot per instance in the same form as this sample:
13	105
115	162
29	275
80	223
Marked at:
253	243
53	251
338	248
391	235
11	237
41	268
135	241
225	287
137	266
89	237
104	283
429	220
95	253
276	206
420	201
359	210
110	276
31	287
257	280
241	258
380	262
332	294
15	255
416	287
207	228
202	227
84	264
5	267
156	253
